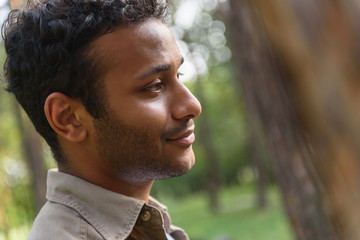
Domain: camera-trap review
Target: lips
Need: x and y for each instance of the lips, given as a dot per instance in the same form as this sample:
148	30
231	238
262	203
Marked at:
185	138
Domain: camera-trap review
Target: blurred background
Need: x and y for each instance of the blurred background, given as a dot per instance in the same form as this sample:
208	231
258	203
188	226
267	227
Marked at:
278	141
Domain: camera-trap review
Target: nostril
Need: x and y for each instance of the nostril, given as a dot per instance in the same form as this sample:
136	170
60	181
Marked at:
190	116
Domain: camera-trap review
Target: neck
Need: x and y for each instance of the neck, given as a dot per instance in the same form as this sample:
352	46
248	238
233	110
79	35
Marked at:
136	189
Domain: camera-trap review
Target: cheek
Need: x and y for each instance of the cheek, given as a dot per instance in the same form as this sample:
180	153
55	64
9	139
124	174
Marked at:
151	116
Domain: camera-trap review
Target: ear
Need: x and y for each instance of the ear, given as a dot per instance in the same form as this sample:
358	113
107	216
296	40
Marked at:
64	115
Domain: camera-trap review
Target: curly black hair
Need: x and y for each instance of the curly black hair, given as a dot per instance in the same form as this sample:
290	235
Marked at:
48	50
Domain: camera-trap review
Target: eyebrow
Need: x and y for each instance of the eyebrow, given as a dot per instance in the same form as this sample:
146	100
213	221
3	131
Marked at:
157	69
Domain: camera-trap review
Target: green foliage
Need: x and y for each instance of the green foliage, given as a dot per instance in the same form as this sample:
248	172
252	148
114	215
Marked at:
226	115
20	210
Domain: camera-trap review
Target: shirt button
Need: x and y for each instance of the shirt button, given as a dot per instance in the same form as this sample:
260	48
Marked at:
145	216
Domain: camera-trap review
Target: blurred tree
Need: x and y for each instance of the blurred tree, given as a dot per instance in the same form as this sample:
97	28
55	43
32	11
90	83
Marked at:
258	151
300	79
33	153
259	157
206	137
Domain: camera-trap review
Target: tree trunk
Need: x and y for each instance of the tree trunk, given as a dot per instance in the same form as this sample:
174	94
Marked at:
268	102
205	135
258	157
33	153
297	67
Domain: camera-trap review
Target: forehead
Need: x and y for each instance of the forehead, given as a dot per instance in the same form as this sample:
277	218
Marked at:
134	48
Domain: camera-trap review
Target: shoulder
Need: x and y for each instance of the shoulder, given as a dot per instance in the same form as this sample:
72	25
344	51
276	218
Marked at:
56	221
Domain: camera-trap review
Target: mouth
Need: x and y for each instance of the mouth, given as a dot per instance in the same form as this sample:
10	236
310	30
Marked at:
183	139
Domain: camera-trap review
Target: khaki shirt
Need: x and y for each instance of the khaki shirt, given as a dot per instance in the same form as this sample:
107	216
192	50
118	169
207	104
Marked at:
77	209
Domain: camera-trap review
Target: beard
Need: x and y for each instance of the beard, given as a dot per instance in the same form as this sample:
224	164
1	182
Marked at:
136	154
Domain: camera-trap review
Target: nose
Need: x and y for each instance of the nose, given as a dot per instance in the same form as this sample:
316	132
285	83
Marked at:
185	105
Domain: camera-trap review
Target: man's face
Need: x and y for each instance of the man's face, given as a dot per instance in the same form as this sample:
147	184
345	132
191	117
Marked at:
147	132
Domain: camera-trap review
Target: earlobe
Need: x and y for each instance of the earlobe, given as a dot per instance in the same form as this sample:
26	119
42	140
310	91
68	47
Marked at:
62	113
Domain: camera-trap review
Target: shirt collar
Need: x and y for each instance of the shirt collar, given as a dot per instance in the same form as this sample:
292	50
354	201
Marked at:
112	214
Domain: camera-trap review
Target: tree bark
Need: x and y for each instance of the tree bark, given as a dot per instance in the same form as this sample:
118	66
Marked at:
319	54
301	84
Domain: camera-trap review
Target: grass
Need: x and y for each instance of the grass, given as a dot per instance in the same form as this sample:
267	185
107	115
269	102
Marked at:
238	219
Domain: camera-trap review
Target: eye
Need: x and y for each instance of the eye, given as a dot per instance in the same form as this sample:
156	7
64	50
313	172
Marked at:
156	88
179	74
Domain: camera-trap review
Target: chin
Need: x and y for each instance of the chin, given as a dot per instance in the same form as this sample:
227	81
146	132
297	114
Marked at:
185	164
179	167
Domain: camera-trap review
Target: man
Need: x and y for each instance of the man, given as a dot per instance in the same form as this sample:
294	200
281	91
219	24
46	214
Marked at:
99	80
